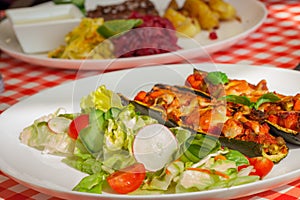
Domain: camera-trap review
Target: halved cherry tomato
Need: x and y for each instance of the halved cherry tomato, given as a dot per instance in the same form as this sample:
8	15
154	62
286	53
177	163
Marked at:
262	166
77	125
128	179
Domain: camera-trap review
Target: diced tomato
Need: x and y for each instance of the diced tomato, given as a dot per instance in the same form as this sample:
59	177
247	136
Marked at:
77	125
262	166
194	81
156	93
128	179
273	119
140	96
290	121
297	105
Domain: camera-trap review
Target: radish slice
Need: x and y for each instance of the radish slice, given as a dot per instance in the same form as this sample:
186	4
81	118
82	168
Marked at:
59	124
154	146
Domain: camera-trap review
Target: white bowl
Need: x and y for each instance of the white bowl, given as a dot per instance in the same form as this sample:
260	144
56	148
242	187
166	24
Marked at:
41	29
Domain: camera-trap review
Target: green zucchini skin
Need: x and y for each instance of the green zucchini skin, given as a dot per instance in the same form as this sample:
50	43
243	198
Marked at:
277	128
248	148
288	135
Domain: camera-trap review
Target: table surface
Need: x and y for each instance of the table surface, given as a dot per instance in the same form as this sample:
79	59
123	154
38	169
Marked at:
276	43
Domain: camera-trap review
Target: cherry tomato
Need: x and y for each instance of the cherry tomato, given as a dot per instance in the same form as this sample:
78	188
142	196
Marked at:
262	166
77	125
128	179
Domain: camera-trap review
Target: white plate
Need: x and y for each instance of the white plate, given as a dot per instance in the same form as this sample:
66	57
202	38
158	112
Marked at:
49	175
251	12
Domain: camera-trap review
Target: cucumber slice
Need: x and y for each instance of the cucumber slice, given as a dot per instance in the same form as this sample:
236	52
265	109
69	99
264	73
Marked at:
92	138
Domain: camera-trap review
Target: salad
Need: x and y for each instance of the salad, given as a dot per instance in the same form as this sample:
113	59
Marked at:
123	151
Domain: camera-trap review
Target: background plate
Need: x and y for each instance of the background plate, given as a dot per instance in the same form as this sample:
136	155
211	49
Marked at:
49	175
252	14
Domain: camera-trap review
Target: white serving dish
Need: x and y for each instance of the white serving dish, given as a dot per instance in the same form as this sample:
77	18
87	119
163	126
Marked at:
41	29
252	13
48	174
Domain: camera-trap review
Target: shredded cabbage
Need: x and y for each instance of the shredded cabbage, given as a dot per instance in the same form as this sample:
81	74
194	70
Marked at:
84	42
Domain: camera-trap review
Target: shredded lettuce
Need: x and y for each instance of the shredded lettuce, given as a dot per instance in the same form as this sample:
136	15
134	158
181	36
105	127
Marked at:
164	180
39	136
83	161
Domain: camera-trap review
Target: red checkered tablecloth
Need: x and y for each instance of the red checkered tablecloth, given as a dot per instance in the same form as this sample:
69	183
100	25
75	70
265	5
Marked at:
276	43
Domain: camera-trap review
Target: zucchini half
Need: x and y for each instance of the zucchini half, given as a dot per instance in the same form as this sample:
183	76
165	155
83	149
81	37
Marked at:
248	148
290	135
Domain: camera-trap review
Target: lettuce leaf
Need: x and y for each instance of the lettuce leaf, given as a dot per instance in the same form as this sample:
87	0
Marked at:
39	136
92	183
102	99
237	157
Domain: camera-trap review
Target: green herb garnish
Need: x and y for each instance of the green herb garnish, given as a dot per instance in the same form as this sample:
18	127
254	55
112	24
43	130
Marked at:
268	97
238	100
78	3
217	78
